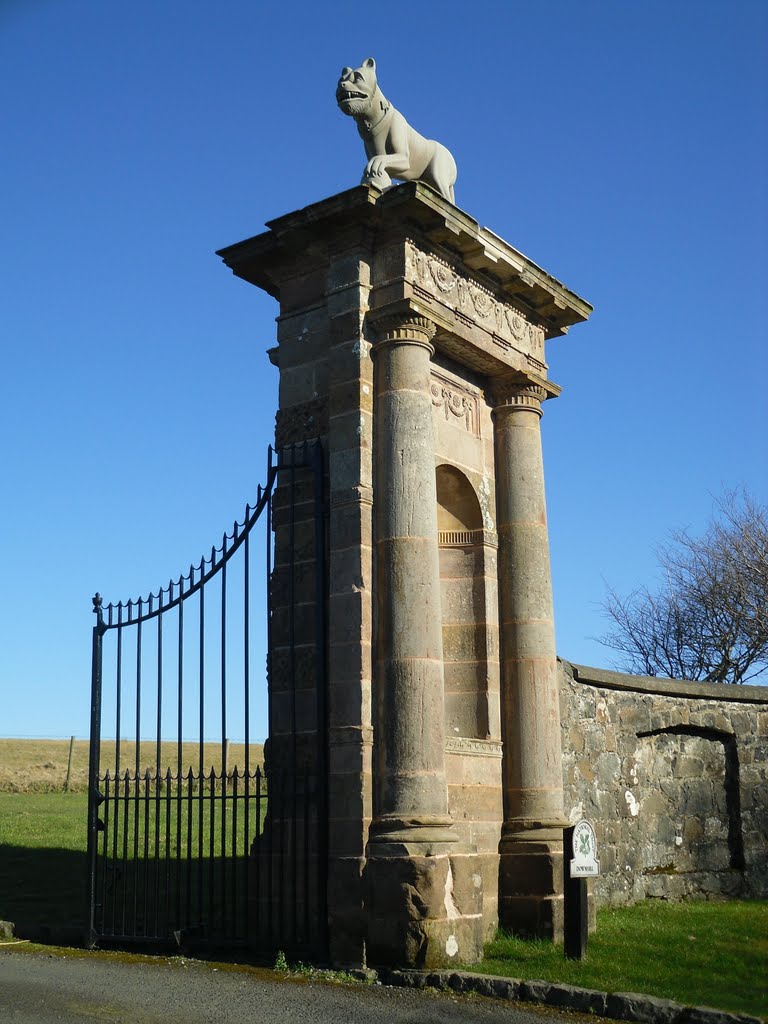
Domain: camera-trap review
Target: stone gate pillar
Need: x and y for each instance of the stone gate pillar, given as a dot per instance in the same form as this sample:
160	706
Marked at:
424	902
404	327
530	871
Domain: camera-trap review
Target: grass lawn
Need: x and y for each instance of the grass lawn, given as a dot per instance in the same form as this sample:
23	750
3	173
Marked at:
43	842
698	953
42	857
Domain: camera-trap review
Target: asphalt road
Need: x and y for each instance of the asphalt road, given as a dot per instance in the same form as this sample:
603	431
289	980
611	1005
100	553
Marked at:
43	988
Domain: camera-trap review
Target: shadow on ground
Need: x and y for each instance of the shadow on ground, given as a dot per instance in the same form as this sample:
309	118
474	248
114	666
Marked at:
42	891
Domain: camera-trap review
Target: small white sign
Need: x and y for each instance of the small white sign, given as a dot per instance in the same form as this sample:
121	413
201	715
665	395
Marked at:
585	863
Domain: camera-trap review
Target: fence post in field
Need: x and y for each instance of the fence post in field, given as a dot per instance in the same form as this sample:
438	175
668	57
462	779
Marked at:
69	763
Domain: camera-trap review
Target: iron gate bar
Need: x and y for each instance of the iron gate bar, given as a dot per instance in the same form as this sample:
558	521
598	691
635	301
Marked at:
142	879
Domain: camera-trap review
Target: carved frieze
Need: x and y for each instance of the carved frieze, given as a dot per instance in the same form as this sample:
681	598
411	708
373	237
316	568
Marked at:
459	405
472	303
478	748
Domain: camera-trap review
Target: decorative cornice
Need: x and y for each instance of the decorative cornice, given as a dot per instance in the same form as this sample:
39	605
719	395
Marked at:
270	260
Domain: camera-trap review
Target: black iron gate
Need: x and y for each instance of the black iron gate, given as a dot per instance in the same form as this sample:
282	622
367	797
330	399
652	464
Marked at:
211	842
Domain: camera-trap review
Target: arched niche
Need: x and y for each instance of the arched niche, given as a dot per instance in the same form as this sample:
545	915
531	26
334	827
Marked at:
457	506
464	599
692	842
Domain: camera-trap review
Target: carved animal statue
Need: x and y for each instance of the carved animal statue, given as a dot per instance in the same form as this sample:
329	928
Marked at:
393	148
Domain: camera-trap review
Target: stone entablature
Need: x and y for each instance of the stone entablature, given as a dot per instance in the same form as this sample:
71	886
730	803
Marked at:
262	260
437	279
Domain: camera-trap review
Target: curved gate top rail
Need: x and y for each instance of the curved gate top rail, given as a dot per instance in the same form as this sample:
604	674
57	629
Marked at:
211	853
143	608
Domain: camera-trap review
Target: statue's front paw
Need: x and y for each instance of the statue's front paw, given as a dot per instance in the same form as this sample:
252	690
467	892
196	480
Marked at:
376	176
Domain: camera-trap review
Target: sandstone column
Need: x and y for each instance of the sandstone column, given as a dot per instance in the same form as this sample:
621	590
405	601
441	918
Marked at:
423	901
530	875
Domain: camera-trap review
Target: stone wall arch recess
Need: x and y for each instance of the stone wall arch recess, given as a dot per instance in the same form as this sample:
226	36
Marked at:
701	786
466	603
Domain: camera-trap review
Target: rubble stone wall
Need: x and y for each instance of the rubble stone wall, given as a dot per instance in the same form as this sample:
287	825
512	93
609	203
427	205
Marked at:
674	776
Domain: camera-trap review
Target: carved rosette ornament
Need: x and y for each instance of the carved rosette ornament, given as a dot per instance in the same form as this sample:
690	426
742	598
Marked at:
517	393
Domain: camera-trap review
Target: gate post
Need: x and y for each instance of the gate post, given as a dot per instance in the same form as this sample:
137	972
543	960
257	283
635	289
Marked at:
94	755
339	268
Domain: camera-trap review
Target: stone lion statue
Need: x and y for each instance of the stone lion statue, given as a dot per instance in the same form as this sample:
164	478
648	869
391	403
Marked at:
393	148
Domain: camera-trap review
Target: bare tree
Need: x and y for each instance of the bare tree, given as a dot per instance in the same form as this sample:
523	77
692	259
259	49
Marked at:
709	619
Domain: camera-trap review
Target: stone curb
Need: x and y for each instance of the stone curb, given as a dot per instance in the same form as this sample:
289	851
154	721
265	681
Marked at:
629	1006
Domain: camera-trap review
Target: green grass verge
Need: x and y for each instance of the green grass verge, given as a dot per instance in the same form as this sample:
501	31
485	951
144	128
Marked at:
702	954
42	857
43	842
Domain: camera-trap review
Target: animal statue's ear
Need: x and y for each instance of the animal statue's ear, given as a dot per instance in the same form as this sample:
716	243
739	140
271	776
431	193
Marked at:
369	62
345	72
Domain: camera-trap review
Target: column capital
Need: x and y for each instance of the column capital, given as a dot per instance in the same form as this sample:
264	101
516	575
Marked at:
518	391
404	327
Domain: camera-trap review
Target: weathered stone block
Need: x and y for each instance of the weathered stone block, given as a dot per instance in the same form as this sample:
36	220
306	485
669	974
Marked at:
483	771
350	430
636	1007
347	836
538	870
466	713
350	617
484	835
349	468
470	802
354	394
349	750
532	916
349	699
350	522
413	919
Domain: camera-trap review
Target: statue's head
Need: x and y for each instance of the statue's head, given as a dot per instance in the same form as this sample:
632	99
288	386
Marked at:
356	89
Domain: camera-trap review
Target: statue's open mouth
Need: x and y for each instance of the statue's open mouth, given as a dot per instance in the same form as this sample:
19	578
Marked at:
353	95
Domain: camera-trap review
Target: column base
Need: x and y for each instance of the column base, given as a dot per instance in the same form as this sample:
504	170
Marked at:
424	904
531	882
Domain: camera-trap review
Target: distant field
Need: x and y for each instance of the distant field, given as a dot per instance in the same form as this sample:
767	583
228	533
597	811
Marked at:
40	766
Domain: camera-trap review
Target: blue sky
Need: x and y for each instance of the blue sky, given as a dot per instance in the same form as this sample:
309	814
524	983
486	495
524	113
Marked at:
622	146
